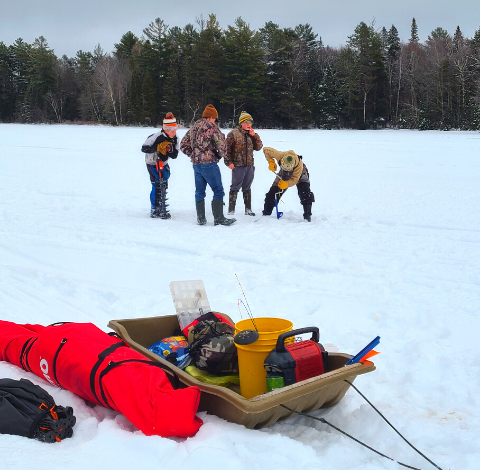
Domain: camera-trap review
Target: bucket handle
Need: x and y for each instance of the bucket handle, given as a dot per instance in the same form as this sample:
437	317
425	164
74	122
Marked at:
280	347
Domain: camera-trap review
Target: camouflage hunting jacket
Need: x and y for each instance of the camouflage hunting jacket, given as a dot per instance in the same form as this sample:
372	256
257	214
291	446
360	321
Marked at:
204	143
240	147
291	177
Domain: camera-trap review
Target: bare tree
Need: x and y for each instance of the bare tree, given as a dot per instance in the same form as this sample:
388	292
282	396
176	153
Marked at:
111	80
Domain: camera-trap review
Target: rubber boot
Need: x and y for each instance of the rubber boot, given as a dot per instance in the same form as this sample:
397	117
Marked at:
307	212
232	200
200	206
247	199
218	217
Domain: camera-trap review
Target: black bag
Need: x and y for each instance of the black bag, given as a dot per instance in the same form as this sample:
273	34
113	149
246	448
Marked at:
28	410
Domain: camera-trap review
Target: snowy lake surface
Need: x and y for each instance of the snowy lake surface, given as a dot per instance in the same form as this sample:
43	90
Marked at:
393	250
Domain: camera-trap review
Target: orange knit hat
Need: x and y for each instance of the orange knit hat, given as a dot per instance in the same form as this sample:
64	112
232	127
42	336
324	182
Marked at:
170	123
210	112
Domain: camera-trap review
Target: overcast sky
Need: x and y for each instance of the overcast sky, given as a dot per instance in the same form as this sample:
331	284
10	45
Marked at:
70	26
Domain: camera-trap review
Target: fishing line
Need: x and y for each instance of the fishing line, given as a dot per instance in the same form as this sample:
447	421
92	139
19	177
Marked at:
249	311
240	301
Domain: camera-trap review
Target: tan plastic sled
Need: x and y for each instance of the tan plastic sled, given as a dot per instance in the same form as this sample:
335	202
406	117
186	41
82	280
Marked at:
227	403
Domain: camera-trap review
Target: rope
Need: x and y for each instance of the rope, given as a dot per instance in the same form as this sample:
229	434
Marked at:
391	425
324	421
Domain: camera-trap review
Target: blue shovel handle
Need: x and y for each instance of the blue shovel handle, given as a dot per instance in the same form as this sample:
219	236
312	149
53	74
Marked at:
279	214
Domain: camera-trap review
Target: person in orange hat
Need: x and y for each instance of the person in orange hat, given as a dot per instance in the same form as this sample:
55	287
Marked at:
158	149
205	144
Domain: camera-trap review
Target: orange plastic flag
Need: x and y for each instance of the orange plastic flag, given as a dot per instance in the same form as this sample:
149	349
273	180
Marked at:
369	355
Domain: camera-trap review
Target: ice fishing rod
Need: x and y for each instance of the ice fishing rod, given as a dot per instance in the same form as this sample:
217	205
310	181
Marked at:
249	311
245	337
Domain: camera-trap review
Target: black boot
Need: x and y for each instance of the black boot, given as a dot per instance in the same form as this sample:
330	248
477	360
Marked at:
232	200
200	206
219	218
274	194
247	199
307	212
154	213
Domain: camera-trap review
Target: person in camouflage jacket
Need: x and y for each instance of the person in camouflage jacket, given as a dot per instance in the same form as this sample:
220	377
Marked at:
204	143
241	142
292	172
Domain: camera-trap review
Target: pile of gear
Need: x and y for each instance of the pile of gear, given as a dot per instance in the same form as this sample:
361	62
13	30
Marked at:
205	345
29	411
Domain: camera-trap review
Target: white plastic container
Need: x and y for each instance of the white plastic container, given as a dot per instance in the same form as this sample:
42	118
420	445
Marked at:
190	300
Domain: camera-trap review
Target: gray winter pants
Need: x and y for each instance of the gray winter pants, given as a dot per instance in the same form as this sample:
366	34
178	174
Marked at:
242	177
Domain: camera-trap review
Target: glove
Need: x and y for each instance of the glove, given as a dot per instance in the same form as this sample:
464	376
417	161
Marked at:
164	147
272	166
282	184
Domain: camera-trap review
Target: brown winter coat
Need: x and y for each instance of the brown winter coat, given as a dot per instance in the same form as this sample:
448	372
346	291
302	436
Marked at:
291	178
240	147
204	143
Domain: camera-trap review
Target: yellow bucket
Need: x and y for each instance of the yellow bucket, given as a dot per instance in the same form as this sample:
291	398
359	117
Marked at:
251	357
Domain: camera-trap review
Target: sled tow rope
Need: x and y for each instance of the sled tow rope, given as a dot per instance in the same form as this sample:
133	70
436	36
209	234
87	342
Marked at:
324	421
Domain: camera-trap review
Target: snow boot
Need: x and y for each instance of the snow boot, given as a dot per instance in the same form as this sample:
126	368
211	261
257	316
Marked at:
307	212
200	206
247	199
232	200
154	213
219	218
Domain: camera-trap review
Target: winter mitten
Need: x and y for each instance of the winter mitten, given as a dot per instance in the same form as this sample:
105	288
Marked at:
282	184
272	166
164	147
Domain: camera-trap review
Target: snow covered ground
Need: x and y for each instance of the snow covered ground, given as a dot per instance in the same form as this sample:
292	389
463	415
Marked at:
393	250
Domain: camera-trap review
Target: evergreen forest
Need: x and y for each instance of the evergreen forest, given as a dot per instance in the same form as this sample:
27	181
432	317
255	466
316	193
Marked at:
285	77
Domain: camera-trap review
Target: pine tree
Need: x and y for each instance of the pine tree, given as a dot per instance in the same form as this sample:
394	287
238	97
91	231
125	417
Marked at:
208	60
191	100
157	53
123	50
41	71
414	33
135	113
475	42
439	34
150	100
243	69
393	48
171	91
370	74
20	53
458	39
7	87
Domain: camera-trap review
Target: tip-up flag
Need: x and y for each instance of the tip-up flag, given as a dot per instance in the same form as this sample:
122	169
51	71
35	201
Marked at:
366	353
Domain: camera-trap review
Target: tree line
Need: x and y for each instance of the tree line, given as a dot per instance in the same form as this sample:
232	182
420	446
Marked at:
284	77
